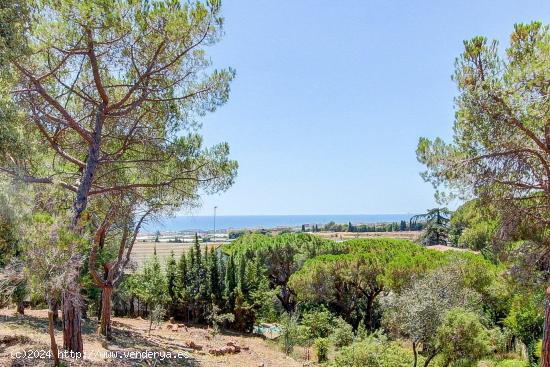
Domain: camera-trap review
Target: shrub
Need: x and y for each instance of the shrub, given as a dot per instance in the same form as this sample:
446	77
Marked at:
343	333
372	352
511	363
289	333
503	363
319	323
462	338
321	349
361	332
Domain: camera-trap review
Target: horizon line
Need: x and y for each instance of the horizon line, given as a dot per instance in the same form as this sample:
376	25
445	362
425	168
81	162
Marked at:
285	215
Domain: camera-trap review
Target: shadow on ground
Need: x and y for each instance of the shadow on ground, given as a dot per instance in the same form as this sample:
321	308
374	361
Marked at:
124	340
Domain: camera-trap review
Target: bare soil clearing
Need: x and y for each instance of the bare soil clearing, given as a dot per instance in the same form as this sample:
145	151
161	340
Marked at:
29	332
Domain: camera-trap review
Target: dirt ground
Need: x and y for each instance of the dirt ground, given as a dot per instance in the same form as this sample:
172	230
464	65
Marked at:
195	344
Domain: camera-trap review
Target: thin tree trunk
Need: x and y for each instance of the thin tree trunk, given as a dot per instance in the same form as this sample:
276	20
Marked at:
53	343
105	321
415	354
545	357
131	311
21	308
370	303
429	359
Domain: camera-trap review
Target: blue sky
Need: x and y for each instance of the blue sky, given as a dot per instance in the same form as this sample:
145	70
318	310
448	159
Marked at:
331	97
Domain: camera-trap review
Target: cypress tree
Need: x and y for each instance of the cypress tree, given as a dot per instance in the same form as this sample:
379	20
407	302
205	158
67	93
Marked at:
230	283
241	276
221	274
182	280
191	264
171	276
214	277
198	251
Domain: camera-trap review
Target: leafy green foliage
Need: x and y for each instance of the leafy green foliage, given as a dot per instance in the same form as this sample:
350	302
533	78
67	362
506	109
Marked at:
473	226
350	283
318	324
290	333
216	318
342	333
152	287
372	352
462	338
281	256
321	346
526	322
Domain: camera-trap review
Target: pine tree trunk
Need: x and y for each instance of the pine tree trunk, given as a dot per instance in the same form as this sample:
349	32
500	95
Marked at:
72	322
72	305
105	321
545	357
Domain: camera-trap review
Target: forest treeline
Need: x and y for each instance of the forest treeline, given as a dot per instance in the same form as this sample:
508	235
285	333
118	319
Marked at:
339	227
331	296
364	227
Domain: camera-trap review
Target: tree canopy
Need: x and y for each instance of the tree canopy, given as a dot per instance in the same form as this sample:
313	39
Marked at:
102	100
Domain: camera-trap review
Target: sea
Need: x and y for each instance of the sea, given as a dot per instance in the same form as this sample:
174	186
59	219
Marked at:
226	222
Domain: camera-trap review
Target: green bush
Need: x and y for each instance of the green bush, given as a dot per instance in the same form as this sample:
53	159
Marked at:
321	349
511	363
373	353
462	338
526	319
289	333
343	333
502	363
319	323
